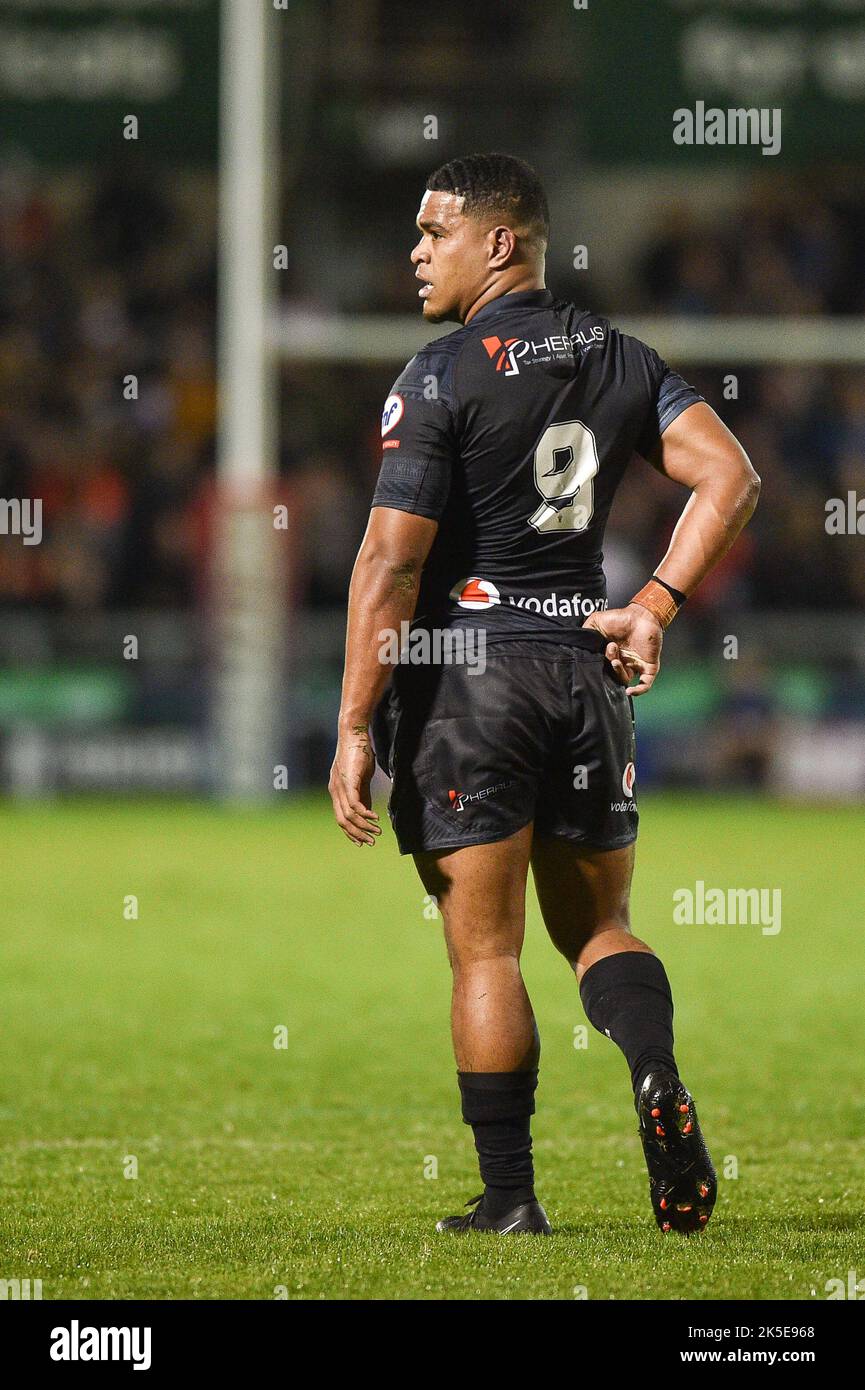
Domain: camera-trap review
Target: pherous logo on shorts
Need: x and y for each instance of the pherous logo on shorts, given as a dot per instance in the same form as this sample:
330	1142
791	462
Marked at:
475	593
459	800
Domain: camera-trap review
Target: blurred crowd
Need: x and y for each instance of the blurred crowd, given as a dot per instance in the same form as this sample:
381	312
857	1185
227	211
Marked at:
787	248
107	392
107	400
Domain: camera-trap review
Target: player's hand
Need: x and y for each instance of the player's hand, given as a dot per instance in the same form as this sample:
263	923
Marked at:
634	640
349	784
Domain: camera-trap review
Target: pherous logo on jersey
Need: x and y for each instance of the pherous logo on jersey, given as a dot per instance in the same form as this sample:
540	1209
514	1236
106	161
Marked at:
475	593
508	352
559	347
629	776
392	413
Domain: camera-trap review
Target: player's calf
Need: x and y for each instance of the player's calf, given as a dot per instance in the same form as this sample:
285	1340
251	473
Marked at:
627	996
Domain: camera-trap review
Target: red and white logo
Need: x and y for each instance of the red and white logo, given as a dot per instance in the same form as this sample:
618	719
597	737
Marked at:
459	800
629	776
392	414
507	351
475	593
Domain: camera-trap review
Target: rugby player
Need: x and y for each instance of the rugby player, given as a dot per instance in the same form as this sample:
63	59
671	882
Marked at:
503	445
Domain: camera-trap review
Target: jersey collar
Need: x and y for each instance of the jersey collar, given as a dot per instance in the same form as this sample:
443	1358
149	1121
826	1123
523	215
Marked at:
506	303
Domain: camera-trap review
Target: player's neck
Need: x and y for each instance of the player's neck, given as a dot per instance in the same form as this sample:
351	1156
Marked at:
529	280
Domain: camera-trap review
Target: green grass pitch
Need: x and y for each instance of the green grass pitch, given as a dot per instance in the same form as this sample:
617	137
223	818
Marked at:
306	1171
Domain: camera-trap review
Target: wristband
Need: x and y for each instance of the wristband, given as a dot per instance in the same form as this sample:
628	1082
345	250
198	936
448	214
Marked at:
660	600
677	594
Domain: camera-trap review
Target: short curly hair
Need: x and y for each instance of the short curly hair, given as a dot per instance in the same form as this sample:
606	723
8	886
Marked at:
498	185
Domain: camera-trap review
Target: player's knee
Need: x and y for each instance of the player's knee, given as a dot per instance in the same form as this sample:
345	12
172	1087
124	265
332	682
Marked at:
481	950
615	921
572	938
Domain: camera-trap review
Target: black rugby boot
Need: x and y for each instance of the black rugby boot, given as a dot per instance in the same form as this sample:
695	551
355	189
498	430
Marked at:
682	1181
529	1218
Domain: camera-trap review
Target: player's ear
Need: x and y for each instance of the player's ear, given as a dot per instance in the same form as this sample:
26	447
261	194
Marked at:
502	244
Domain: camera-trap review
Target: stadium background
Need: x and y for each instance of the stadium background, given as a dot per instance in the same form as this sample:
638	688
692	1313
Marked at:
110	268
109	259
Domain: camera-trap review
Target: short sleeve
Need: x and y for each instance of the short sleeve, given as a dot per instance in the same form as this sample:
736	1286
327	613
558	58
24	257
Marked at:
418	445
669	394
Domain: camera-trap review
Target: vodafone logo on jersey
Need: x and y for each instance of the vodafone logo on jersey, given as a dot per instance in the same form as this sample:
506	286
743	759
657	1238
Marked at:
475	593
392	414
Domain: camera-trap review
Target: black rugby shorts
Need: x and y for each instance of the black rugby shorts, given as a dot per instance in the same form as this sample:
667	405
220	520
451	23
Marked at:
544	733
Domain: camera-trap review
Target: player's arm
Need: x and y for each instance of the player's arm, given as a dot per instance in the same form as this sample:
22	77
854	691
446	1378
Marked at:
697	450
382	595
418	453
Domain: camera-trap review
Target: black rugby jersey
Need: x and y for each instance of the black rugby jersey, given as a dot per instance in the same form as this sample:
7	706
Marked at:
513	432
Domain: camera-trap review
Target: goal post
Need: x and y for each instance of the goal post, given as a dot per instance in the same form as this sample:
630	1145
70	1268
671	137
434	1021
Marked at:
248	561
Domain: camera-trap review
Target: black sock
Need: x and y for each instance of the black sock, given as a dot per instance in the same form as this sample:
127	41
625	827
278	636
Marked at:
627	996
499	1105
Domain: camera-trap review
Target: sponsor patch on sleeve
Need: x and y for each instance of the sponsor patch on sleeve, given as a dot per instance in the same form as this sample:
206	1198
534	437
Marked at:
392	414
